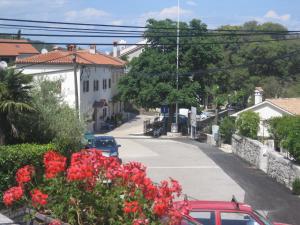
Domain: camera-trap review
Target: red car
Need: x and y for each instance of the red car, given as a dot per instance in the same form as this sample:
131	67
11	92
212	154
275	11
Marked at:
223	213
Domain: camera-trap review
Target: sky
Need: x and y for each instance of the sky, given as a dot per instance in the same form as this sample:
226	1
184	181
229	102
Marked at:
136	12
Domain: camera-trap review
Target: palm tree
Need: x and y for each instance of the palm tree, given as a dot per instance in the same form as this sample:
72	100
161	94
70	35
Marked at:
14	98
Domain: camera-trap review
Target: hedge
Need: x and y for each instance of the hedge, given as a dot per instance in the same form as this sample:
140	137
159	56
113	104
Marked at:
12	157
247	124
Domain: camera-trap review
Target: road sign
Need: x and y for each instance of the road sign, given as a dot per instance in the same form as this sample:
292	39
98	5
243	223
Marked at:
193	116
164	109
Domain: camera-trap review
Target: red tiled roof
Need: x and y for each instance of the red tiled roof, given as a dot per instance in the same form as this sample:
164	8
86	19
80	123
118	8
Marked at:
15	49
66	57
291	105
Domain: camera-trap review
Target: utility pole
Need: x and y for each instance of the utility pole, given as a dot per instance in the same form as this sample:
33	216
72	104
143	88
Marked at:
177	63
75	81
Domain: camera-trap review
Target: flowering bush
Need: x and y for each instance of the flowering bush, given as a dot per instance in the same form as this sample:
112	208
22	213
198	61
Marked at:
95	190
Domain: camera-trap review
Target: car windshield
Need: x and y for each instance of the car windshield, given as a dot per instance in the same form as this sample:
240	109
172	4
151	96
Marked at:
262	218
104	143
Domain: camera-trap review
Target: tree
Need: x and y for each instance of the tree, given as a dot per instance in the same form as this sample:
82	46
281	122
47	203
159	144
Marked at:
151	81
248	124
14	99
53	120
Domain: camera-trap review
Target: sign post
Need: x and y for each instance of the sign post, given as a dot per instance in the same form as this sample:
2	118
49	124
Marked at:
193	121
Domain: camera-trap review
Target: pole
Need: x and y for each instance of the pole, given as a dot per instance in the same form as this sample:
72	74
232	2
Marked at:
75	83
177	62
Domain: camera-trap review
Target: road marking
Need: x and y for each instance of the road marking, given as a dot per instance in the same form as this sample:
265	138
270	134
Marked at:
183	167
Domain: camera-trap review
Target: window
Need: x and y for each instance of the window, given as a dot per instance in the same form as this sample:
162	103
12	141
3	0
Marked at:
96	85
205	218
109	83
85	86
104	84
230	218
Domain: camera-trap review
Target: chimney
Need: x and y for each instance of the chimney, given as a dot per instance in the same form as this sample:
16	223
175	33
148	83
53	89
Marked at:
93	49
71	48
115	49
258	95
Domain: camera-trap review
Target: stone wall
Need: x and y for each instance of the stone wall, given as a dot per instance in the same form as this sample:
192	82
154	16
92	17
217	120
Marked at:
282	169
262	157
250	150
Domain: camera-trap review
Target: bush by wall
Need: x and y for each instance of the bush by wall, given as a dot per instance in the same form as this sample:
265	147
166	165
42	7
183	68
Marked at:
248	124
12	157
227	128
286	130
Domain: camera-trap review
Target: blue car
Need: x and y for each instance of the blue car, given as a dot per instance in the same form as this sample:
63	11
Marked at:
107	145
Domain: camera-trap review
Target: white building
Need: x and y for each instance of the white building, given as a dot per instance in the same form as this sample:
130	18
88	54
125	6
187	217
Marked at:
276	107
121	49
97	76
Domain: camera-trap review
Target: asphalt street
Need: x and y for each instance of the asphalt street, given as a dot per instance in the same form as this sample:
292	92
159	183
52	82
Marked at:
207	173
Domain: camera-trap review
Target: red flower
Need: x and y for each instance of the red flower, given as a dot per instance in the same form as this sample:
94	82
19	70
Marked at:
38	197
13	194
131	207
140	222
55	222
24	174
54	164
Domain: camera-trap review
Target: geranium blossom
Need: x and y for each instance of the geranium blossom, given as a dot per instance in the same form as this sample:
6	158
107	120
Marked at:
54	164
38	198
24	174
13	194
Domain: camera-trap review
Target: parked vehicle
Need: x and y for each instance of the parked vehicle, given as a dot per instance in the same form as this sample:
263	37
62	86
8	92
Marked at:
107	145
225	213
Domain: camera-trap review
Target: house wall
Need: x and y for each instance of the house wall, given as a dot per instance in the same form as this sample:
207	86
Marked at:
266	111
65	73
86	99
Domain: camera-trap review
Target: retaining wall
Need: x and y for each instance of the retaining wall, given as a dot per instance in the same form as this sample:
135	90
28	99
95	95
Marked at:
262	157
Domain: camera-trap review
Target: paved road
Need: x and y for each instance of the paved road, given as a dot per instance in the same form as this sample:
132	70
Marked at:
208	173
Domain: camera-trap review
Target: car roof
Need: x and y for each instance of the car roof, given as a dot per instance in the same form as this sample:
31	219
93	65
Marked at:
217	205
104	137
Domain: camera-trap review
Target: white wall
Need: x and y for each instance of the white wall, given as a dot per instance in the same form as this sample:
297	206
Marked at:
88	73
266	111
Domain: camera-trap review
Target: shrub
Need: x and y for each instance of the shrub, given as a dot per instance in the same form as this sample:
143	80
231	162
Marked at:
296	186
286	130
96	190
52	121
13	157
247	124
227	128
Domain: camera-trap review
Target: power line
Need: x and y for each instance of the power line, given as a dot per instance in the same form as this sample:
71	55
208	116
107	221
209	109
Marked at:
149	44
135	36
139	27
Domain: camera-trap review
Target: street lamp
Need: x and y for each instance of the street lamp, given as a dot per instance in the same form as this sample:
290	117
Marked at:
177	66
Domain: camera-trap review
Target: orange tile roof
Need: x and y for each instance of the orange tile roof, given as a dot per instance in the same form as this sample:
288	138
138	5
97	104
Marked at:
15	49
65	57
291	105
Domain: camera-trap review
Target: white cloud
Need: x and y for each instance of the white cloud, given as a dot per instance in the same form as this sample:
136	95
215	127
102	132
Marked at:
170	13
271	14
192	3
87	14
117	22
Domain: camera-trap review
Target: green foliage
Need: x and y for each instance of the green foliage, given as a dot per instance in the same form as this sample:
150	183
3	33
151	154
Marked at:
227	128
12	157
52	121
286	130
247	124
296	186
151	81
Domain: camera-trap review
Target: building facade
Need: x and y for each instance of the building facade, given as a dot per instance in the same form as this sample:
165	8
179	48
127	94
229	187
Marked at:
97	76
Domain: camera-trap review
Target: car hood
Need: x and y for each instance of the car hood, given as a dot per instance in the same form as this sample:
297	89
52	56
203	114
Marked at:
276	223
